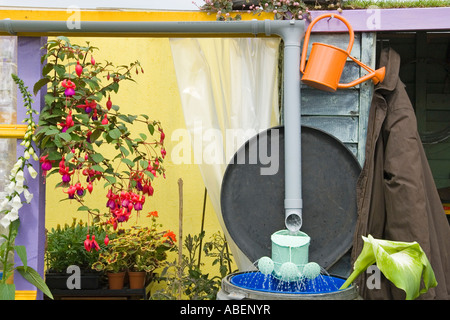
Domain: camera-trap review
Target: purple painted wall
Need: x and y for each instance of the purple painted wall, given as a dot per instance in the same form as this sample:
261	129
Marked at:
32	216
373	20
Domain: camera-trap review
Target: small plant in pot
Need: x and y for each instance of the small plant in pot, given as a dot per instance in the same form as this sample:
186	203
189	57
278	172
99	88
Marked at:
137	250
65	254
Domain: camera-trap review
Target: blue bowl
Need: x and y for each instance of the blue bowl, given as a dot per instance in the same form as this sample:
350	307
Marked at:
268	283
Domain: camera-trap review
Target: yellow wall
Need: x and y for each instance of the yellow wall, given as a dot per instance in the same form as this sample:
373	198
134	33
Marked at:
155	94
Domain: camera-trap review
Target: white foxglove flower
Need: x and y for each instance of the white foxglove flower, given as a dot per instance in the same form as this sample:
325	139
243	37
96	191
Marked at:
16	203
20	177
19	187
26	155
35	157
9	189
12	215
28	195
32	172
4	205
5	222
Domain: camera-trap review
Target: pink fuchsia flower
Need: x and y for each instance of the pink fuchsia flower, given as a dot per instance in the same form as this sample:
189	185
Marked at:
78	69
70	87
94	244
71	192
109	103
46	164
105	119
87	243
69	122
80	189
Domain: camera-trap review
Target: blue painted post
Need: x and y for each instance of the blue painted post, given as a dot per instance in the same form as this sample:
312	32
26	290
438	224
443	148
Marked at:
32	216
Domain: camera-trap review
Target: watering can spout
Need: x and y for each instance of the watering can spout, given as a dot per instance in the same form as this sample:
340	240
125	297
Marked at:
326	62
376	76
379	75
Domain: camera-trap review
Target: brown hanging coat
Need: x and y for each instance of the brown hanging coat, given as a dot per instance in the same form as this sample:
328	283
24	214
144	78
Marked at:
397	196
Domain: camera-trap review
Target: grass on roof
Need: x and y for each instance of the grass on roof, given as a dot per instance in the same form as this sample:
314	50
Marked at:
390	4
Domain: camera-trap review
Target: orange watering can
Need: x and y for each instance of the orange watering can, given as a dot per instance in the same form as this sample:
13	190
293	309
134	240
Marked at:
326	62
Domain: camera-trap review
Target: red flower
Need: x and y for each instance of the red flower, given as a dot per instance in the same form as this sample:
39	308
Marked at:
152	214
170	235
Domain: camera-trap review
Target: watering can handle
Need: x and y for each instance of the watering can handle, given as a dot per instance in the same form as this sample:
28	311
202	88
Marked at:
308	33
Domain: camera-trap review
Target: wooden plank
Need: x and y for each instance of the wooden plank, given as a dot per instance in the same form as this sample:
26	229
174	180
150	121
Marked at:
438	101
438	116
341	102
343	128
438	151
353	147
368	57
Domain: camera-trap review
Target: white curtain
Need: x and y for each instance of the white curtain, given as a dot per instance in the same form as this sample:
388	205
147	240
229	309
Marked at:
228	89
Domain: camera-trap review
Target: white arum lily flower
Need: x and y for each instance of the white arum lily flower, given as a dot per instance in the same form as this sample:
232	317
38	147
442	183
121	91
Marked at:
403	263
32	172
28	195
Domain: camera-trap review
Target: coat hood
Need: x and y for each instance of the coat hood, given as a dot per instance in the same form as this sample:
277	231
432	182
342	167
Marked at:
389	59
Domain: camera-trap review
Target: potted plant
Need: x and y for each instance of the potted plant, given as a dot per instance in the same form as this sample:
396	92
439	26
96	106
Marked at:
80	121
137	250
65	249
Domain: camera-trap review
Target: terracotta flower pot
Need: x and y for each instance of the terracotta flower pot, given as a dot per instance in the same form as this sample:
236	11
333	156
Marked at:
116	280
136	279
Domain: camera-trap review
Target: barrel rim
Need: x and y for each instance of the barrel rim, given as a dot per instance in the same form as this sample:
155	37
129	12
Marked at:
349	293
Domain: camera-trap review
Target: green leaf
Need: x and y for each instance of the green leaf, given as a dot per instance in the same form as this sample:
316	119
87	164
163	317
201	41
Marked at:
39	84
405	264
83	208
111	179
65	136
47	68
7	291
151	129
63	38
60	70
22	253
128	162
124	151
97	157
33	277
98	168
115	134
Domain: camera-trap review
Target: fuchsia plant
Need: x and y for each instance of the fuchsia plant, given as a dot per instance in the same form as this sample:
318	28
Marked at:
79	121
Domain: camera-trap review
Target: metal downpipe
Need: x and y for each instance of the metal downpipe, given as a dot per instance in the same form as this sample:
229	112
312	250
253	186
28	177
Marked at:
292	33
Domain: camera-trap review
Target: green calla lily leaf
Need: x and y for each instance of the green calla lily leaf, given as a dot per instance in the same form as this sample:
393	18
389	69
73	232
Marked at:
405	264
